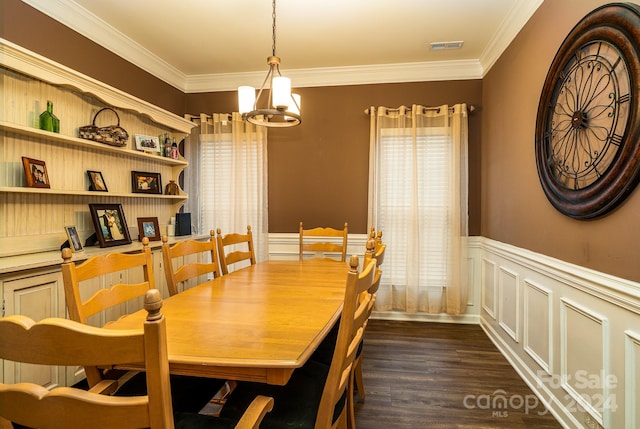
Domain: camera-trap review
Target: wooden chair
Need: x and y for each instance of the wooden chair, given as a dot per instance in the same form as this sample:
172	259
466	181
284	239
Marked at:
375	251
57	341
235	255
80	310
318	241
189	393
188	271
315	396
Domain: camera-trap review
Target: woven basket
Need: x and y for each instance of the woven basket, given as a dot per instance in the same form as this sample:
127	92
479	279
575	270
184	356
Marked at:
113	135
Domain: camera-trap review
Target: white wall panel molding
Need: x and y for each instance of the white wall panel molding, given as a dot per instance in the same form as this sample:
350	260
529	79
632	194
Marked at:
530	375
538	324
489	287
580	352
509	302
620	292
632	386
584	361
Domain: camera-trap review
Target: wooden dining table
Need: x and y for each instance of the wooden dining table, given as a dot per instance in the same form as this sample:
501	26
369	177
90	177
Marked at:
255	324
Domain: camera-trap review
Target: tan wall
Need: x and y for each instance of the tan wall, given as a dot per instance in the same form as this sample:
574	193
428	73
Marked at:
318	171
514	207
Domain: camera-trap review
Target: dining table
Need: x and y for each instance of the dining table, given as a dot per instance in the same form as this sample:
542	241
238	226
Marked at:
258	323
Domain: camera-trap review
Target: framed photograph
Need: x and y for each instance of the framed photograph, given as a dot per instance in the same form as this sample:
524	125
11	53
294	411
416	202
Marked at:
96	181
145	183
147	143
110	224
74	238
36	173
148	227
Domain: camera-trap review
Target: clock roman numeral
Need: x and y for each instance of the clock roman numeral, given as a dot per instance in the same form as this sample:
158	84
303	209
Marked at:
615	139
624	98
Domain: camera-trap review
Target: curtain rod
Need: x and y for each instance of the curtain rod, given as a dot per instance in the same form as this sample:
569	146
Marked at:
471	108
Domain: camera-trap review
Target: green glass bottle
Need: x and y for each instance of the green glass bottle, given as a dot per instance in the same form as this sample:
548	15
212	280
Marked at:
49	121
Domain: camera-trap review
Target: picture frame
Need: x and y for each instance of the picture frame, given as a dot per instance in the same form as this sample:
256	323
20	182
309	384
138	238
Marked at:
74	239
148	227
147	143
96	181
110	224
146	183
35	172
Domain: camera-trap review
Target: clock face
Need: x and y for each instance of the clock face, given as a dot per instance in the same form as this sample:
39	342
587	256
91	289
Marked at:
588	123
589	115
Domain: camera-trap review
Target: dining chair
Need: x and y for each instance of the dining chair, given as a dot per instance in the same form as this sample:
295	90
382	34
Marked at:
323	240
85	297
205	250
315	395
236	254
324	352
57	341
356	381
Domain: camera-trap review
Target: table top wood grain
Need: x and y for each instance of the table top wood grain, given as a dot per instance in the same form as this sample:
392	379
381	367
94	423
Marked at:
255	324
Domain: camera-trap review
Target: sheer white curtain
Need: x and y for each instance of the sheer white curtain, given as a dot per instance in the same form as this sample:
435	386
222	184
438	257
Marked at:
418	198
228	184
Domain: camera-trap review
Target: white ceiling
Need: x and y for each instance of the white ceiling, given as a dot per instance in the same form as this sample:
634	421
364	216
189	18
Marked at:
213	45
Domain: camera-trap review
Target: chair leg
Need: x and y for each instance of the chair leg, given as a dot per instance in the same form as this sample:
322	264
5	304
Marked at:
357	374
351	415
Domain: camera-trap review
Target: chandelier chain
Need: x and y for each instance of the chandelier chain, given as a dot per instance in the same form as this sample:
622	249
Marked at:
273	28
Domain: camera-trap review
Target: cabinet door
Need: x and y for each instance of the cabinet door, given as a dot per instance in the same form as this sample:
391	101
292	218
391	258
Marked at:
37	297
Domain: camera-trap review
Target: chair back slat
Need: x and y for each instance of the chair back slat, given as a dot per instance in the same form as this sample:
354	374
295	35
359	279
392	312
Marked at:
236	254
321	240
187	271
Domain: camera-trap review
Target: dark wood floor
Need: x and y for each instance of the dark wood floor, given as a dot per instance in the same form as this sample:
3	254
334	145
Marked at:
437	375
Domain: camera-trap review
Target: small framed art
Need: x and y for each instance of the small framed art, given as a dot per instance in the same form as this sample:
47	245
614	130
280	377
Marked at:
110	224
148	227
145	183
96	181
35	172
74	238
147	143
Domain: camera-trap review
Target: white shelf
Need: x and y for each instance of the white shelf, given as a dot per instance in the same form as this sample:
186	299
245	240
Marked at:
78	142
25	190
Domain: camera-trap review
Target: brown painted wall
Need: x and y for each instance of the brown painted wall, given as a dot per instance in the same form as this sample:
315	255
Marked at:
31	29
318	171
514	207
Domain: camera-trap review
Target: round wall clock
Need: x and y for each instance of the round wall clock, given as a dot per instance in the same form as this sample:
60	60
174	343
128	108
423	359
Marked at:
588	123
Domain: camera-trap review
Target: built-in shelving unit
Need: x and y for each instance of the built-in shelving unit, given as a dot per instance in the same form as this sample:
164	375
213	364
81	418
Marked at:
34	218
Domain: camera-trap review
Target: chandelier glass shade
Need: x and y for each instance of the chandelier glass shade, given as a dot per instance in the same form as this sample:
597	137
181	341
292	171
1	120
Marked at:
274	105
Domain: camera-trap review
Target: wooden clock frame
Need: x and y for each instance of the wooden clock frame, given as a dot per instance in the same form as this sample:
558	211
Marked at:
618	26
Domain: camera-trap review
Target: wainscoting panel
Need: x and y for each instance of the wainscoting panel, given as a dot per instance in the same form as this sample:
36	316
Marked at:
489	287
580	352
509	302
537	324
632	358
581	360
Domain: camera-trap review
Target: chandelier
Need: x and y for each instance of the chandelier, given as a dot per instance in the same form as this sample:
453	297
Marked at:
281	108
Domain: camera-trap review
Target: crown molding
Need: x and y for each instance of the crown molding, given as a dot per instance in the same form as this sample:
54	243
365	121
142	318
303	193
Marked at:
80	20
338	76
515	20
95	29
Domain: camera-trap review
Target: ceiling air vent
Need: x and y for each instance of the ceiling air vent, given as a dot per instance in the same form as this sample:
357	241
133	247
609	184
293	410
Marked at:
438	46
